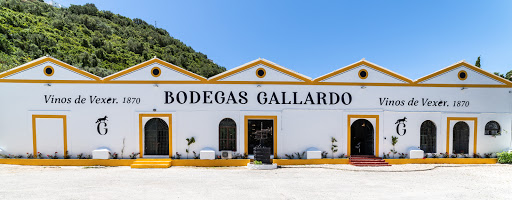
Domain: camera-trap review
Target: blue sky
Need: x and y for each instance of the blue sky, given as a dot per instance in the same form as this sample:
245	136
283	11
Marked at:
412	38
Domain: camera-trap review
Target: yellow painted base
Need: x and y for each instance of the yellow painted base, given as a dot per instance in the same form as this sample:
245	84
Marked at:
234	162
210	163
68	162
151	163
443	161
309	161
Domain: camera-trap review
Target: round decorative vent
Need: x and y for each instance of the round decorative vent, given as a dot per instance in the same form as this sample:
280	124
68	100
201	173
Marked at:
463	75
48	70
260	73
363	74
155	72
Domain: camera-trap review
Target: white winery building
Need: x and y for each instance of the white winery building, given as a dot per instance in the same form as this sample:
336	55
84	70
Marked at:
49	106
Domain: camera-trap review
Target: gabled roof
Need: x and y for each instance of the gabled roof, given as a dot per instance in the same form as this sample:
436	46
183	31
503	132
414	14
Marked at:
185	76
396	78
277	74
35	72
486	79
25	73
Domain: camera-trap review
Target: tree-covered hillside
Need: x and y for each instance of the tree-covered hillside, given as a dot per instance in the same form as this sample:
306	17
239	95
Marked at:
99	42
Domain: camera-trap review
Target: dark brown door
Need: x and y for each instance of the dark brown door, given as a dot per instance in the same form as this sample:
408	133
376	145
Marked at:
156	137
461	138
362	139
428	137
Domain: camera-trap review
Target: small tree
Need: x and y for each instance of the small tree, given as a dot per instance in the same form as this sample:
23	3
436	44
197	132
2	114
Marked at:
190	141
477	63
394	140
334	147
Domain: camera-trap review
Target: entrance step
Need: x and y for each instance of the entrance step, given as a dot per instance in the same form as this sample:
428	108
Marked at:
367	161
151	163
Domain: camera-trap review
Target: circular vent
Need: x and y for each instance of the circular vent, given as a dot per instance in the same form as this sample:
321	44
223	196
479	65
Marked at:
463	75
155	72
363	74
260	73
48	70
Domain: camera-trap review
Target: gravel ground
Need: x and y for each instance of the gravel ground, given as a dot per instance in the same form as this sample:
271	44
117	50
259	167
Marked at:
288	182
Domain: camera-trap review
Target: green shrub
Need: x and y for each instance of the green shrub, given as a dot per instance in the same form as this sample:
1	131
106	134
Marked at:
99	42
505	157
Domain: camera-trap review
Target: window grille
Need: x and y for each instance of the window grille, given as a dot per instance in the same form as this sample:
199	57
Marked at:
492	128
227	135
461	138
156	137
428	137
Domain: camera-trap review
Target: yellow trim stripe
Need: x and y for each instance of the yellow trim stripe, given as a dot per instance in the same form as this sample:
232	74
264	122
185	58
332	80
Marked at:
475	125
256	83
442	161
255	117
149	62
55	61
216	79
49	81
34	138
153	82
462	85
141	145
376	117
209	163
366	63
322	161
467	65
235	162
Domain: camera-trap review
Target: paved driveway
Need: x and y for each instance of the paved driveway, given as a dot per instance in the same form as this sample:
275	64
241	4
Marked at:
292	182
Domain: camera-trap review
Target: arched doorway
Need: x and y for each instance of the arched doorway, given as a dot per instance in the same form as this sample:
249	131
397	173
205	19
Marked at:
428	137
461	138
362	138
156	137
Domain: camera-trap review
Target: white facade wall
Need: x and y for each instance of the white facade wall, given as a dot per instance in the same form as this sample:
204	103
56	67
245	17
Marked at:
299	126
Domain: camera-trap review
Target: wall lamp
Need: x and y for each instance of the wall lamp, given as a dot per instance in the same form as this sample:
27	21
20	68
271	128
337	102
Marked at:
463	88
363	87
48	84
154	109
155	85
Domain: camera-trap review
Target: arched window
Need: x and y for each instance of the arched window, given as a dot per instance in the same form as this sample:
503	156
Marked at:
428	137
227	135
492	128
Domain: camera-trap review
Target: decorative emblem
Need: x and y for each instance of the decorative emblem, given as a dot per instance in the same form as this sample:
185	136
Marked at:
401	122
102	125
